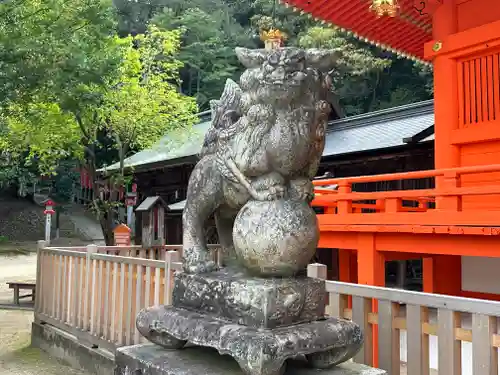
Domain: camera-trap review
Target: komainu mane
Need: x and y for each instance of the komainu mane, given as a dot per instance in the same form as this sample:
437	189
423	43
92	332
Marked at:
265	143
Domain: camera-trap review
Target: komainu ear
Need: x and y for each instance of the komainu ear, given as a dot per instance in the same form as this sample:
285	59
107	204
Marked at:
321	59
251	58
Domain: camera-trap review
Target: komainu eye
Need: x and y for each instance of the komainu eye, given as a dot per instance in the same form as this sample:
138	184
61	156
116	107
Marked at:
274	59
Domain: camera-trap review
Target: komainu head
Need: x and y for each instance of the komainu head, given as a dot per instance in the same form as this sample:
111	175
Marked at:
284	74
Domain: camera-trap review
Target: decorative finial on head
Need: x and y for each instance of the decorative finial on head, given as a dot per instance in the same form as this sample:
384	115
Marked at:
385	7
273	38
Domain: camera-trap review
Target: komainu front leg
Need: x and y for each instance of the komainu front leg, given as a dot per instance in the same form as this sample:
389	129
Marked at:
195	255
203	197
302	189
224	220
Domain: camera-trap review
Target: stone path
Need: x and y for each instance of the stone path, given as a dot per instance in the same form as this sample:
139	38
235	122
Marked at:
88	228
16	357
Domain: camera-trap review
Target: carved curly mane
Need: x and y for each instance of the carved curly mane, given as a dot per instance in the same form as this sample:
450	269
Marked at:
225	113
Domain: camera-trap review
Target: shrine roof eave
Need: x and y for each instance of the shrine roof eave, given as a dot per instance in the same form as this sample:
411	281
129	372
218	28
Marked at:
383	129
404	34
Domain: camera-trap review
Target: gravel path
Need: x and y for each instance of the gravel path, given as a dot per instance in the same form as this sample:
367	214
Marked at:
16	357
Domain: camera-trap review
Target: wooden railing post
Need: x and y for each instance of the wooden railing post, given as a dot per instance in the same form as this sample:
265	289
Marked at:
393	205
170	257
38	289
361	308
344	206
91	249
388	337
450	181
449	349
317	271
484	356
418	341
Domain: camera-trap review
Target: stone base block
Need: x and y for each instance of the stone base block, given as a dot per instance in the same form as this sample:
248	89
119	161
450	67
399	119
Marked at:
325	342
252	301
69	349
150	359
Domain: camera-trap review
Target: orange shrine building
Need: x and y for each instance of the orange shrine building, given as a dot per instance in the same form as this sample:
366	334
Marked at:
453	227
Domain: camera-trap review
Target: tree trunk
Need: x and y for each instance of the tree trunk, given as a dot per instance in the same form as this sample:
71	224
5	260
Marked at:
105	214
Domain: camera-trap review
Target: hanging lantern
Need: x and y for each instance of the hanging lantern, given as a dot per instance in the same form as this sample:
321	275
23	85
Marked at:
272	39
385	7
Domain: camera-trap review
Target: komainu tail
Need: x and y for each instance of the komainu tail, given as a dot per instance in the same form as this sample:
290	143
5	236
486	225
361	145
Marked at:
225	113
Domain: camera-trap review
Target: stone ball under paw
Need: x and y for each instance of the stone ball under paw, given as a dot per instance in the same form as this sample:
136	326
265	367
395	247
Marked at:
275	238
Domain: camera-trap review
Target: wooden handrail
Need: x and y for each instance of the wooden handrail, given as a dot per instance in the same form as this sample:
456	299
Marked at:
409	175
407	194
391	319
408	297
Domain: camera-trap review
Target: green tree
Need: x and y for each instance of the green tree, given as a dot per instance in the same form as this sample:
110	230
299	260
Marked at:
143	103
47	46
358	69
365	79
135	106
207	48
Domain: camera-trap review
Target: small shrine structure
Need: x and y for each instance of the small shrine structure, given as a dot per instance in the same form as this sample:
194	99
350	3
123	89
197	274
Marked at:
122	235
152	211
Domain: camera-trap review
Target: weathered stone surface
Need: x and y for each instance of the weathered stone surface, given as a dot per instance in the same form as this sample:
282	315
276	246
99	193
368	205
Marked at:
148	359
326	342
265	144
276	238
257	302
254	176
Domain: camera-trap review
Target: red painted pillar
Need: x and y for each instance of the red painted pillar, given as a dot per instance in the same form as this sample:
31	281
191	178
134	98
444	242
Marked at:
348	272
442	274
371	271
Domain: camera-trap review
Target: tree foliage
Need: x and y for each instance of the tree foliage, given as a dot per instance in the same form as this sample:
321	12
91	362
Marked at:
125	88
93	80
48	46
207	50
96	85
365	76
143	102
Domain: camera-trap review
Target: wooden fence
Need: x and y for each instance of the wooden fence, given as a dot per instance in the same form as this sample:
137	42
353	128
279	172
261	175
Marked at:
385	314
135	251
96	297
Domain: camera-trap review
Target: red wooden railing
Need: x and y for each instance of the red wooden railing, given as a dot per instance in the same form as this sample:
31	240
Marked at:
446	204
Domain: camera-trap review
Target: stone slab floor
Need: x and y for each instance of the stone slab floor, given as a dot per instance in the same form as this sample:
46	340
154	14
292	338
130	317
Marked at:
16	356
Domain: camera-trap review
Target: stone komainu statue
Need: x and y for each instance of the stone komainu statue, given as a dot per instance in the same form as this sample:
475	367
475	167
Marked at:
255	174
264	145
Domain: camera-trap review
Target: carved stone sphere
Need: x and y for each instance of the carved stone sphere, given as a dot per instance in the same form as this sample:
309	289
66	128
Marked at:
275	238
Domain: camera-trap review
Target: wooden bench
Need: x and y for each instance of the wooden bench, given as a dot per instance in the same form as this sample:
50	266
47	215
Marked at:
22	285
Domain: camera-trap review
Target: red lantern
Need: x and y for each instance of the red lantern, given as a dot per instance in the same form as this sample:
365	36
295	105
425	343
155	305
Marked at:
49	210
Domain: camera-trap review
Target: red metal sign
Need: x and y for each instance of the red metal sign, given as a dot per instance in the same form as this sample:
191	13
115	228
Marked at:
131	201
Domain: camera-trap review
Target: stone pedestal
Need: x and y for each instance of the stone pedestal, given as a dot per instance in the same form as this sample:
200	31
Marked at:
256	302
259	322
149	359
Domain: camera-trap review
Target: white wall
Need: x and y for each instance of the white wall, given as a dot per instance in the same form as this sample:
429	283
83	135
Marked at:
481	274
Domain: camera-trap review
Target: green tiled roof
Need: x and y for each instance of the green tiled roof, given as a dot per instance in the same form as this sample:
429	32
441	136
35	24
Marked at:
175	145
371	131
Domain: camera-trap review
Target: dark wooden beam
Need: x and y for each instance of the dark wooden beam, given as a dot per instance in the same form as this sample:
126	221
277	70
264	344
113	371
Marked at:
420	135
